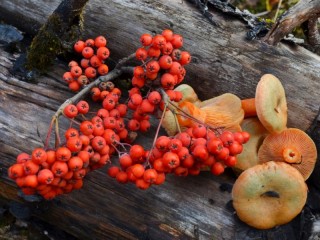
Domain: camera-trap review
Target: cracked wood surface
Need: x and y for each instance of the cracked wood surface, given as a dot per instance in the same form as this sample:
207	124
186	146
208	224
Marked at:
183	208
223	60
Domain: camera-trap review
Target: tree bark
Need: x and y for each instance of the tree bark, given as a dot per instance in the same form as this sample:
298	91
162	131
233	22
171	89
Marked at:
223	61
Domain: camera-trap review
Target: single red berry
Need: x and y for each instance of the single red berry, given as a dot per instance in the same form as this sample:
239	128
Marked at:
70	111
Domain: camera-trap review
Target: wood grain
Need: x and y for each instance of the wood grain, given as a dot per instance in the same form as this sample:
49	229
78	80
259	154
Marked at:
183	208
223	60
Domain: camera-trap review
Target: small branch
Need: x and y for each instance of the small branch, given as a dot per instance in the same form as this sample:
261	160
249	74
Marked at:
277	11
57	134
47	140
294	17
312	31
157	133
110	76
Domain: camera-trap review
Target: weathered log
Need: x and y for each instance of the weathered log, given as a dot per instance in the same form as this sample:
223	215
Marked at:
103	209
223	61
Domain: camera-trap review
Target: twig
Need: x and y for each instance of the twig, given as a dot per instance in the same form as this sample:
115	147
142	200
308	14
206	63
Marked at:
116	72
46	143
57	134
119	69
277	11
157	132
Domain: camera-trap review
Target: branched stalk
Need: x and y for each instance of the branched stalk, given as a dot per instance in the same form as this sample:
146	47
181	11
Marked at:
116	72
277	11
47	140
157	132
57	140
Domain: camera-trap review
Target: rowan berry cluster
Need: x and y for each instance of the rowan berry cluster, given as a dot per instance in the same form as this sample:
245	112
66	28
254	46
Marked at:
86	148
94	53
91	140
187	153
162	66
163	61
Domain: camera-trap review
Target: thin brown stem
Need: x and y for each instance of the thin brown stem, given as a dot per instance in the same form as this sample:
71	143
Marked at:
57	134
157	133
110	76
277	11
47	140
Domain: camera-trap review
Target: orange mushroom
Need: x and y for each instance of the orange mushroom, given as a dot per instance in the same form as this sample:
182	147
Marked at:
192	110
249	156
223	111
271	104
292	146
269	194
249	107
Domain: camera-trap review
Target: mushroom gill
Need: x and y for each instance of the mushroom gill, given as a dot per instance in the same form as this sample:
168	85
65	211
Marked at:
292	146
223	111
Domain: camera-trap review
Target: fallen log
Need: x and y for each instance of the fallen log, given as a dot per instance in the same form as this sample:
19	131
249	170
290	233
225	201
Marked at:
104	209
223	61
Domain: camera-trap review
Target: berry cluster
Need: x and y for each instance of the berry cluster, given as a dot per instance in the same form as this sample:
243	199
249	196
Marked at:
162	66
163	61
88	147
186	153
89	144
94	53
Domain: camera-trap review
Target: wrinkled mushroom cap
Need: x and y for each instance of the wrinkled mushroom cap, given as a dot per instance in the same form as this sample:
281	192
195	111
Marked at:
292	138
271	103
249	156
223	111
188	93
269	194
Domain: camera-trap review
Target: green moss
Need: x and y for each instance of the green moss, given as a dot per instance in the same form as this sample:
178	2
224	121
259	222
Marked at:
53	39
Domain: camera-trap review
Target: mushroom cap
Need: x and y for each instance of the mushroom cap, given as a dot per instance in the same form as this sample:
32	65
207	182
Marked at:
188	93
169	123
192	110
249	155
223	111
271	103
269	194
292	138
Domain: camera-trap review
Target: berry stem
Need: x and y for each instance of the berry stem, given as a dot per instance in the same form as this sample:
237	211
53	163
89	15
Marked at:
157	132
57	134
46	144
116	72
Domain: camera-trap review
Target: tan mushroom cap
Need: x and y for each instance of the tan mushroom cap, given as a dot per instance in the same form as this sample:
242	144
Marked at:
269	194
223	111
188	94
292	146
169	123
271	103
249	156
